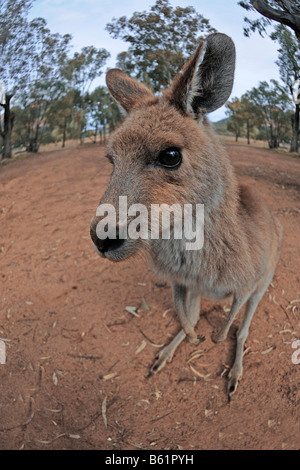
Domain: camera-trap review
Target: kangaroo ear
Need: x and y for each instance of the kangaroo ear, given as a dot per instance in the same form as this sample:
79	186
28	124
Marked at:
127	92
206	81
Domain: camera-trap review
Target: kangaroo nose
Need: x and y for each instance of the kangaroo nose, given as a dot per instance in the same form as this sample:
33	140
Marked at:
107	244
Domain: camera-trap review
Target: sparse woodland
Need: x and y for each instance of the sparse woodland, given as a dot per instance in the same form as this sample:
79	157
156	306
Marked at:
50	94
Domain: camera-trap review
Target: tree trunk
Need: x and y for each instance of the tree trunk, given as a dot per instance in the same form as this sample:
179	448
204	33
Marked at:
273	140
96	132
273	143
295	126
248	133
33	146
7	128
81	132
64	133
36	140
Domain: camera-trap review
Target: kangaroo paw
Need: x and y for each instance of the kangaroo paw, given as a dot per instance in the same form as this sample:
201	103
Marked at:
166	354
234	378
218	335
162	358
195	340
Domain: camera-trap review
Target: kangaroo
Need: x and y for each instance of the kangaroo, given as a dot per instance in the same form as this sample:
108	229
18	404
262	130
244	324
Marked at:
165	151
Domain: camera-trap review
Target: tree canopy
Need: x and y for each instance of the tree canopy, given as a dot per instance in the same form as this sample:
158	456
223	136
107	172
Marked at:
263	112
50	92
160	41
39	72
289	69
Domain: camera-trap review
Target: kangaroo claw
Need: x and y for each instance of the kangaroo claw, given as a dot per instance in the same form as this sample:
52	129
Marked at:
234	378
163	357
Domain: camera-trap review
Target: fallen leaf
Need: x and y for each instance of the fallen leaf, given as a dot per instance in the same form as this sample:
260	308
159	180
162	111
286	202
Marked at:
144	304
141	347
198	373
195	356
132	310
104	411
109	376
54	378
268	350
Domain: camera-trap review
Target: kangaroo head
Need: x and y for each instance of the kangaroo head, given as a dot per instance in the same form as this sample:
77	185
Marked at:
163	153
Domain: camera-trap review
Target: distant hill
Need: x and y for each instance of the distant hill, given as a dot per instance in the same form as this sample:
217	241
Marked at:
221	126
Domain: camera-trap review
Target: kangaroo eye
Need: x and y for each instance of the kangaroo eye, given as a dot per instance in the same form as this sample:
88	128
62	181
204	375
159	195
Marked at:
170	158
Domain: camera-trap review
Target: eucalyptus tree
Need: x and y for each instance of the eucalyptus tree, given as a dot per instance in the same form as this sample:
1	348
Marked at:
15	49
272	104
160	41
81	70
236	122
31	62
60	116
289	69
286	12
284	16
244	113
47	81
103	112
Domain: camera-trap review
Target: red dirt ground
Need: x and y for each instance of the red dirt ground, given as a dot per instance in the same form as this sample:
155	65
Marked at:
77	362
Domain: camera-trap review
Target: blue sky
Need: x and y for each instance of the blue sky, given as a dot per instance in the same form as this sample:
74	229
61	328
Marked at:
85	20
